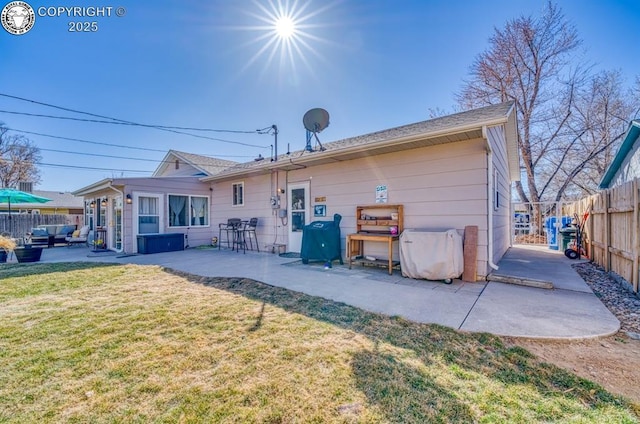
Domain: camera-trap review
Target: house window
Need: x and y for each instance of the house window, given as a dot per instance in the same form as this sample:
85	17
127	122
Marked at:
238	194
102	214
88	214
199	211
148	215
188	211
178	211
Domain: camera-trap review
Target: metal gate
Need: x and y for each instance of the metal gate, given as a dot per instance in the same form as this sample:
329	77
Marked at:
537	223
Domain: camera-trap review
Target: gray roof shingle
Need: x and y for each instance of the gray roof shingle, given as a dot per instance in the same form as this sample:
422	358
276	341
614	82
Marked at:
210	165
475	117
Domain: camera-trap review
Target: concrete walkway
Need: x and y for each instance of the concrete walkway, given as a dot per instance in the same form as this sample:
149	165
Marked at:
569	311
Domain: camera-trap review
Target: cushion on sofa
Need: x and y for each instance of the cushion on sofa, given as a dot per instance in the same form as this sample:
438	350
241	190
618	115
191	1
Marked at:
51	229
63	230
39	232
60	231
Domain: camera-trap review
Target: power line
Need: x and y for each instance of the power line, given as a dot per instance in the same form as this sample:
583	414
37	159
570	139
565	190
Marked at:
99	155
93	168
120	157
133	124
87	141
124	121
158	162
117	121
108	144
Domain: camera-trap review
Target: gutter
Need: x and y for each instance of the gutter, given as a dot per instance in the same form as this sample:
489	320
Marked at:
331	153
627	145
100	185
489	201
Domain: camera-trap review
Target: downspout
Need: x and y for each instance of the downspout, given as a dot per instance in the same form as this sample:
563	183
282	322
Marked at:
489	201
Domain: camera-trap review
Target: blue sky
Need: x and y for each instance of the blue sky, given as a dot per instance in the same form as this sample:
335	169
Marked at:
373	64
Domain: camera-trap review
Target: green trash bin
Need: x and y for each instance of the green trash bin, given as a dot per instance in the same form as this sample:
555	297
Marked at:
568	234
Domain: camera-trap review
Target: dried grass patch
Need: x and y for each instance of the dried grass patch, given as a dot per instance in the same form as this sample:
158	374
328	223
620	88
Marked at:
139	343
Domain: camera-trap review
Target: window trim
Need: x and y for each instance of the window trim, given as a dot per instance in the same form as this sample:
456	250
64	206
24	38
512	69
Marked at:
88	214
233	197
161	225
189	217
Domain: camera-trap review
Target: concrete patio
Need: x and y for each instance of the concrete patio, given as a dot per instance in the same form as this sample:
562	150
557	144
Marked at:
568	311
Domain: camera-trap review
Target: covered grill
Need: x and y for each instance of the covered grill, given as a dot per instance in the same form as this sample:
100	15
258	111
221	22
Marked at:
321	241
431	255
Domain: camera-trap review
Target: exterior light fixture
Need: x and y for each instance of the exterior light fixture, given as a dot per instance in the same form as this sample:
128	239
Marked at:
129	199
103	203
92	204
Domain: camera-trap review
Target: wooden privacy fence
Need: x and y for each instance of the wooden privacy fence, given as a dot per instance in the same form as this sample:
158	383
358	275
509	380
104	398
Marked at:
20	224
612	232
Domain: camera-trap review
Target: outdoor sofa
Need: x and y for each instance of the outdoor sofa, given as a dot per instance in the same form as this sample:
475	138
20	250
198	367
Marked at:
80	236
40	235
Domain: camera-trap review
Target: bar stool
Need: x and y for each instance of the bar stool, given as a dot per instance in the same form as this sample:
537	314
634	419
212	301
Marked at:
229	229
249	229
238	238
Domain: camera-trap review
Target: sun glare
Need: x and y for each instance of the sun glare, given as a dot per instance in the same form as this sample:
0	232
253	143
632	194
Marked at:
285	27
286	36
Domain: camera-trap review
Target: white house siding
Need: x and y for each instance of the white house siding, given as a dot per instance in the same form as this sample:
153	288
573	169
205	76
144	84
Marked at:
441	187
163	186
501	216
257	193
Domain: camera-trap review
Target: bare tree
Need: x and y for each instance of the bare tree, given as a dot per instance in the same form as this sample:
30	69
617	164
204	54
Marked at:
599	119
569	121
18	159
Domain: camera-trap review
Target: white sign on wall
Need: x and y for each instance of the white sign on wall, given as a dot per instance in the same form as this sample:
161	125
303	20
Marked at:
381	194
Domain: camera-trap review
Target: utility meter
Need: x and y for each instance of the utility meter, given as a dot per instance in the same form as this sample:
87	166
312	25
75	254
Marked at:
275	202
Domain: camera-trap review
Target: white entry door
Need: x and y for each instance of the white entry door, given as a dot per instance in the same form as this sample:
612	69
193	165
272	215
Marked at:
298	214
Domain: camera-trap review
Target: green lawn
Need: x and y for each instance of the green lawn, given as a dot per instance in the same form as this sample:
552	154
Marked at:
105	343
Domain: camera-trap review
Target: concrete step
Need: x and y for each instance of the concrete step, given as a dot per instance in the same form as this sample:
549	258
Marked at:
521	281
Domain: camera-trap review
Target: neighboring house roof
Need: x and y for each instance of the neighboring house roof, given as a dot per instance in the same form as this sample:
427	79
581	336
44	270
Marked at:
446	129
59	200
206	165
633	133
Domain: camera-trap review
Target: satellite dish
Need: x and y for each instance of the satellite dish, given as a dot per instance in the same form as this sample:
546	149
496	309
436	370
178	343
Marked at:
315	120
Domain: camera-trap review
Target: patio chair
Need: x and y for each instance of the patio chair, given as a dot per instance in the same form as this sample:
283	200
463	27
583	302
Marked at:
78	237
230	230
249	230
239	239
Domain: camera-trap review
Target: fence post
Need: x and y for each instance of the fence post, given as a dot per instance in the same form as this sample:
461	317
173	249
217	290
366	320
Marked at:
607	233
591	228
634	277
